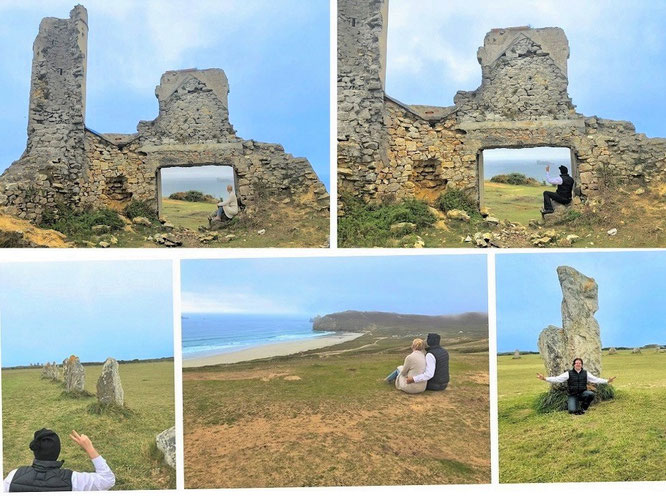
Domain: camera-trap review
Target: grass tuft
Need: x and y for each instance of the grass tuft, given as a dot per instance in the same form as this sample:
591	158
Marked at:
553	400
138	208
456	199
75	395
111	410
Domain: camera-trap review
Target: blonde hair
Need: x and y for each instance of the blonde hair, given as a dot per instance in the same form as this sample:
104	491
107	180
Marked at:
418	344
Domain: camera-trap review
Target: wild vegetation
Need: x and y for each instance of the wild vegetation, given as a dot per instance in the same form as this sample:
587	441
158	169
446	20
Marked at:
620	218
622	439
327	418
124	437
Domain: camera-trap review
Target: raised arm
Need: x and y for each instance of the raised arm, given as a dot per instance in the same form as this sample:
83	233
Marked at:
598	380
100	480
555	379
552	180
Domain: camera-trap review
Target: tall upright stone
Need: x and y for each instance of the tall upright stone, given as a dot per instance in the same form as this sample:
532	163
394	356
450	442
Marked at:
579	335
75	376
516	355
109	388
612	351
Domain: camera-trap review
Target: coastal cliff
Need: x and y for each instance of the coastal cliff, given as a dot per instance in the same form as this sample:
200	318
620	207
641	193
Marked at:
469	324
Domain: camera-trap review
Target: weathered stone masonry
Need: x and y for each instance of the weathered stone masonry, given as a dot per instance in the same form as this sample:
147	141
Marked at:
66	162
388	150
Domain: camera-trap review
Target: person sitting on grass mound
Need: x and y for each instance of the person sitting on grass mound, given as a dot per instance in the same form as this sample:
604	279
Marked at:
227	209
580	398
45	473
436	374
415	364
562	195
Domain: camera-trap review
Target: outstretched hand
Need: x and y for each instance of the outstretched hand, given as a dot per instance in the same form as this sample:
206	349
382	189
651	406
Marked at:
611	379
410	380
541	376
548	168
85	443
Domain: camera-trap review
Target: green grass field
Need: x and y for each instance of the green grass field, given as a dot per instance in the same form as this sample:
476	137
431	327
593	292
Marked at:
517	203
619	440
187	214
127	443
326	418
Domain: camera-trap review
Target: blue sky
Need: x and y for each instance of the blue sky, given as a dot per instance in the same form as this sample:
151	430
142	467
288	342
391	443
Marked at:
275	55
632	286
95	310
616	63
430	285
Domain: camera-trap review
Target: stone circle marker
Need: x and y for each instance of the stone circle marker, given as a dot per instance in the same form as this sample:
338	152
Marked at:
516	355
612	351
109	388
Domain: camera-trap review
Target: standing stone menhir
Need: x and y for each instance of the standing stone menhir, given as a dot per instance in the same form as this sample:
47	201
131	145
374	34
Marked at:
579	335
516	355
75	375
109	388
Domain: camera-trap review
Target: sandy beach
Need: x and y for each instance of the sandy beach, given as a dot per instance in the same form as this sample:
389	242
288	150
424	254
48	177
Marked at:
272	350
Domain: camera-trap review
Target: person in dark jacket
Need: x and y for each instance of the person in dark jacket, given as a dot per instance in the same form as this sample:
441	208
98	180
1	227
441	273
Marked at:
577	378
563	193
46	472
437	365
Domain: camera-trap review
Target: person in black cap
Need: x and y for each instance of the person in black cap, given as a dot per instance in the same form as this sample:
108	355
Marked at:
577	378
46	474
563	193
437	366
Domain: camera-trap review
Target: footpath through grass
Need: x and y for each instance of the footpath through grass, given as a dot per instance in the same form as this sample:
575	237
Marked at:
619	440
126	442
326	418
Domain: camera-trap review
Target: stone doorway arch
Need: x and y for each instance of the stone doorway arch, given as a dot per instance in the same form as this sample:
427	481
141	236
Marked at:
480	171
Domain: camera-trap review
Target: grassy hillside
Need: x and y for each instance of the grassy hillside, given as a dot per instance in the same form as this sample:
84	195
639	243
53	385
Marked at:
618	440
466	325
126	442
327	418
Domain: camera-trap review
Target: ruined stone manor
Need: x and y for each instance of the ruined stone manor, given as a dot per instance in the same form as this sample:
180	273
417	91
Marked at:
66	162
389	150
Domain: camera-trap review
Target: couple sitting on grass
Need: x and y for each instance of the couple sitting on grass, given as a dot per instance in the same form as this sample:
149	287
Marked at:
45	473
227	209
423	370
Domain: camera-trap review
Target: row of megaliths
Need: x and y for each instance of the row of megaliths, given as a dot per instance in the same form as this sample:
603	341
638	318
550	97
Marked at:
579	336
109	388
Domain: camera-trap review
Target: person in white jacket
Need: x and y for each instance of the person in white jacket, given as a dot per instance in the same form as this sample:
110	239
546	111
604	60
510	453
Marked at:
46	474
577	378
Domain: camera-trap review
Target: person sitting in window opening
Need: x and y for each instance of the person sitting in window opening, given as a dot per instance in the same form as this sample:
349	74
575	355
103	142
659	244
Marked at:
562	195
227	209
46	474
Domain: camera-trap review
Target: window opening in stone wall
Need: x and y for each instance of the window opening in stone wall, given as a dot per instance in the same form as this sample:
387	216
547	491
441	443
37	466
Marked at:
514	180
189	195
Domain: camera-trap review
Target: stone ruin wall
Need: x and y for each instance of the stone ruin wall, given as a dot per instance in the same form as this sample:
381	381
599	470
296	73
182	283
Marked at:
522	102
362	134
68	163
